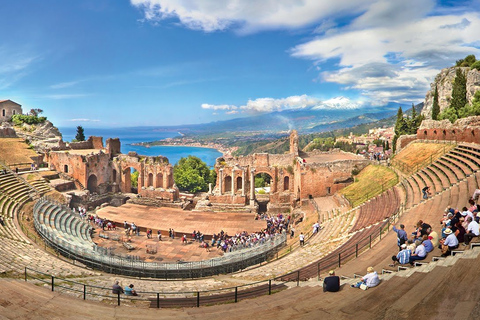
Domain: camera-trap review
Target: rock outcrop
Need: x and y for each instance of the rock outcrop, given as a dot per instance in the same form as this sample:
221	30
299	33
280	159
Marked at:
43	136
444	83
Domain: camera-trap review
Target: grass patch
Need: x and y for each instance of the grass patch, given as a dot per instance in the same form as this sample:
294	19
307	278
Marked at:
419	155
371	181
15	150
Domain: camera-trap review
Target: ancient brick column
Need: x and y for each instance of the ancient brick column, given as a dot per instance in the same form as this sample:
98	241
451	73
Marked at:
243	183
220	181
252	187
233	182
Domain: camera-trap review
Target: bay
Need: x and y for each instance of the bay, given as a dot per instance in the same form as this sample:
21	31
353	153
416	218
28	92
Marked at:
128	136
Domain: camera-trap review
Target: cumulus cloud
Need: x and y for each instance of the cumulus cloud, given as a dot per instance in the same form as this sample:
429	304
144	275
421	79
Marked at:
84	120
393	51
245	15
293	102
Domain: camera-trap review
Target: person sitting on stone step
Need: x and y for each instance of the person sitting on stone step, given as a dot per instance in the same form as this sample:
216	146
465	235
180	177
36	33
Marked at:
331	283
369	280
403	257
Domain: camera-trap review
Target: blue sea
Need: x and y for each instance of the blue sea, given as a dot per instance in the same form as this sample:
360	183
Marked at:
134	135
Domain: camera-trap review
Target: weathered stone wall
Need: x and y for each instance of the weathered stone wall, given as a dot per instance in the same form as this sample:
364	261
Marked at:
113	146
318	180
8	108
7	132
80	145
444	83
466	130
404	140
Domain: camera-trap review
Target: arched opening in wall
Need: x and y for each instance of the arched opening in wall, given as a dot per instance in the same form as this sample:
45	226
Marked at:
65	168
3	112
425	132
286	183
454	132
239	183
228	184
13	112
444	132
434	131
130	180
263	183
114	175
92	184
150	180
473	133
159	180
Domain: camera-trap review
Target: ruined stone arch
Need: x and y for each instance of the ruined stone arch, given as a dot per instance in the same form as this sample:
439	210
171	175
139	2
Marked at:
92	184
159	180
286	183
150	180
228	183
238	185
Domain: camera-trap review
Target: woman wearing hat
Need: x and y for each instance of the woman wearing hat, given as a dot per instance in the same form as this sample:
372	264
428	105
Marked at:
369	280
448	244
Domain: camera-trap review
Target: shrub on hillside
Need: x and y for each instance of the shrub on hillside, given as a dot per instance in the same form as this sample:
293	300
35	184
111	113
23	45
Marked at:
19	119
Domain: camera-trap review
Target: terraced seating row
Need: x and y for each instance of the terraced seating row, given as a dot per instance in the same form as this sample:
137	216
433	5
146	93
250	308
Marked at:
458	164
377	209
64	224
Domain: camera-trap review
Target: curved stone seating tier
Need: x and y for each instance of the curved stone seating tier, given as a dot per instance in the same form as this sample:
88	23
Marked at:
57	225
41	186
461	170
377	209
439	176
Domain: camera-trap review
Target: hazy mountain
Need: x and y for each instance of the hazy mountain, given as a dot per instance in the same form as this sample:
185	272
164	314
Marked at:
304	120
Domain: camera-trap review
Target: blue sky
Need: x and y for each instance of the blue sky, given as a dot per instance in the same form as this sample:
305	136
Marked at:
110	63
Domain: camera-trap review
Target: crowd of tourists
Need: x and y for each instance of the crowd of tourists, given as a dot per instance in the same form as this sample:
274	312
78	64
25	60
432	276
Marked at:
458	227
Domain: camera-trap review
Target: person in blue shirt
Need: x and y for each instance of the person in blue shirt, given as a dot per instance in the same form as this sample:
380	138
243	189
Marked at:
427	243
402	236
403	257
129	291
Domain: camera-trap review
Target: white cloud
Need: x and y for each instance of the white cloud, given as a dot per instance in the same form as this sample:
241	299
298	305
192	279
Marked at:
64	96
246	15
84	120
64	84
14	65
393	51
293	102
218	107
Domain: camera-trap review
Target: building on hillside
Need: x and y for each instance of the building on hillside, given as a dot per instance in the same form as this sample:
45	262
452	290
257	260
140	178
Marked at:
9	108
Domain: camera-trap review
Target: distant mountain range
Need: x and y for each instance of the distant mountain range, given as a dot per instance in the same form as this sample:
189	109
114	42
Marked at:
307	120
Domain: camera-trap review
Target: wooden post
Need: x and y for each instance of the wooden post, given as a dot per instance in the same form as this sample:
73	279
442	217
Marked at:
53	283
158	300
198	299
270	287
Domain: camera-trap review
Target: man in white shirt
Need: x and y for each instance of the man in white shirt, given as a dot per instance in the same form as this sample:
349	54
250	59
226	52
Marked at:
472	230
420	254
370	279
449	243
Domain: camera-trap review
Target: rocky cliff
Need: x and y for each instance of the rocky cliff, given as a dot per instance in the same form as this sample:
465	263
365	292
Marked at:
444	83
43	136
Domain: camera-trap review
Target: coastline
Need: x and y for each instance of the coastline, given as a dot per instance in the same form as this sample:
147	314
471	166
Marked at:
222	149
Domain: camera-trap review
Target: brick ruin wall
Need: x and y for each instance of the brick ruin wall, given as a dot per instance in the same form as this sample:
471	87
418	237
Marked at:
463	130
322	179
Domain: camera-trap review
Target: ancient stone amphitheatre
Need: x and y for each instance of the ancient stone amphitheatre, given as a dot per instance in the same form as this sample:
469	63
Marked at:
54	265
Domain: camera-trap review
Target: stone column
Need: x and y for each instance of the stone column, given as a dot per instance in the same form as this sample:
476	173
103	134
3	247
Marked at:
210	188
220	181
252	187
233	182
243	183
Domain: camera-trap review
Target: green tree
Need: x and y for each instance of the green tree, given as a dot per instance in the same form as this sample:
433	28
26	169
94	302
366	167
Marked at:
80	134
192	174
436	106
134	178
476	65
459	91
